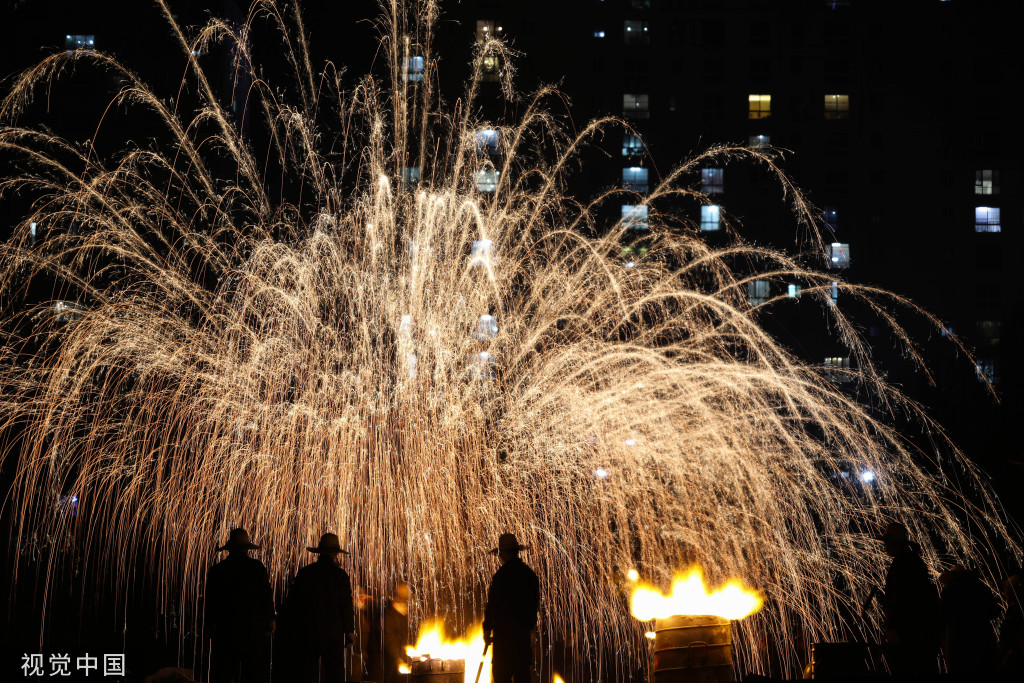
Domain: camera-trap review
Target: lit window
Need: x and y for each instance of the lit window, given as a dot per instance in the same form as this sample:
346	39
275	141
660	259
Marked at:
486	141
634	179
481	251
485	28
793	291
838	368
710	217
635	32
32	233
79	42
713	180
986	219
410	177
636	106
486	328
412	69
759	141
487	180
986	182
834	293
490	67
831	218
599	34
481	365
632	144
837	106
760	106
988	370
757	292
634	217
838	255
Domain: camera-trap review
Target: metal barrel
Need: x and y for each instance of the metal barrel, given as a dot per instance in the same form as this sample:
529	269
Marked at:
692	649
437	671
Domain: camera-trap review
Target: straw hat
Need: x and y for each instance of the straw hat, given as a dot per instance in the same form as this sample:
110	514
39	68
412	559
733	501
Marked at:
238	539
507	543
328	545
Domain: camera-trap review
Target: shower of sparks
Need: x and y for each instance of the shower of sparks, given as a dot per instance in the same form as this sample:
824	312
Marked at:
421	367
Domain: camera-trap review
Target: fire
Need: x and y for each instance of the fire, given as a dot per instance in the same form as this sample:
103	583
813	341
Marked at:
432	643
690	596
557	679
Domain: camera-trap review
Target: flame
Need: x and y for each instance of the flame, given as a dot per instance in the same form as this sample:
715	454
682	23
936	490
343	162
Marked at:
432	643
557	679
404	669
690	596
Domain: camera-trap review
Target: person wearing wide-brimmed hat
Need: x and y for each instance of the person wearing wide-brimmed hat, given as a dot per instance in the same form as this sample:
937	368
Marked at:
911	602
239	613
320	614
513	600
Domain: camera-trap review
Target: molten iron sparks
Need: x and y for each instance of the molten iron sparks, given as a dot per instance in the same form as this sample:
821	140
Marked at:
690	596
432	643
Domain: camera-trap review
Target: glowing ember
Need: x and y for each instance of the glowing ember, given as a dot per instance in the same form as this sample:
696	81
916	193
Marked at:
690	596
557	679
432	643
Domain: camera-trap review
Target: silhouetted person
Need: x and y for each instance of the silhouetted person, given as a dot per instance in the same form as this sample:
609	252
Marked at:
320	615
1011	631
968	608
911	607
388	636
513	600
239	614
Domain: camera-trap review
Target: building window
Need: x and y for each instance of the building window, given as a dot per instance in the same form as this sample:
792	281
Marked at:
988	370
489	68
793	290
487	180
481	252
636	105
710	217
986	219
989	331
486	141
837	368
834	298
634	179
713	180
986	182
632	144
759	107
635	32
410	177
486	328
412	69
32	233
759	141
831	218
838	255
485	28
757	292
837	106
79	42
634	217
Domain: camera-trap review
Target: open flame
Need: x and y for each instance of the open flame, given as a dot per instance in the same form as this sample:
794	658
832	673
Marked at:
432	643
690	596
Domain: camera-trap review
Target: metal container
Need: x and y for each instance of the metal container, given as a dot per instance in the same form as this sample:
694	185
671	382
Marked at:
437	671
692	649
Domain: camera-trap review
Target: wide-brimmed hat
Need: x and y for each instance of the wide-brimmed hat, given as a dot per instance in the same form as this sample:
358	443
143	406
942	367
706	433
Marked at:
508	543
328	544
238	539
894	531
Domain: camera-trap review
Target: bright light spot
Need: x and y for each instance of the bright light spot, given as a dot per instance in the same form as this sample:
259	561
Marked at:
432	643
690	596
404	669
633	574
601	473
650	635
630	442
599	34
629	264
867	476
557	679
